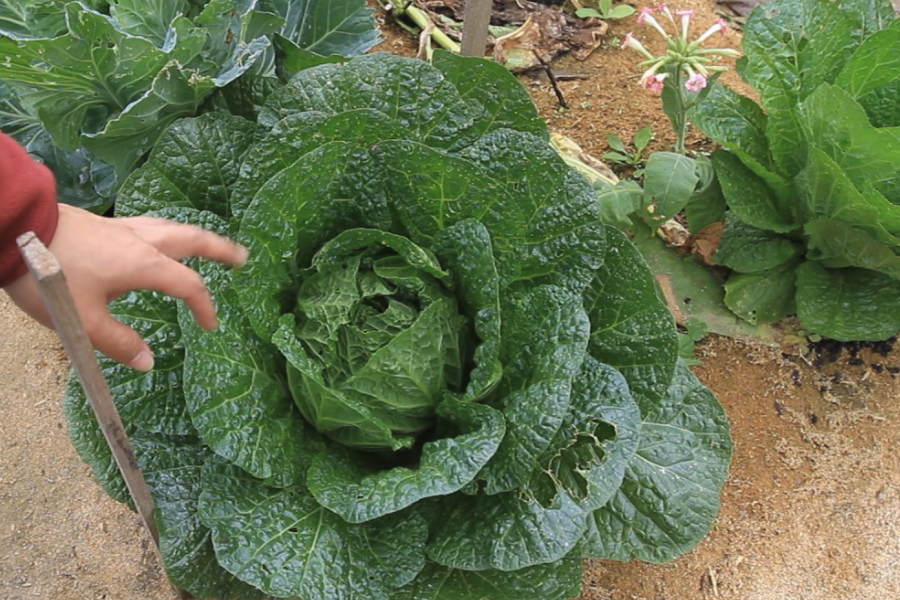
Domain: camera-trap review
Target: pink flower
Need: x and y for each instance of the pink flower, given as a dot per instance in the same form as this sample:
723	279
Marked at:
695	83
646	17
632	43
685	21
719	26
655	82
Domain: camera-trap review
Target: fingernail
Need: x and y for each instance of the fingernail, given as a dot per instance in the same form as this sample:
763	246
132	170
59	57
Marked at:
142	362
243	253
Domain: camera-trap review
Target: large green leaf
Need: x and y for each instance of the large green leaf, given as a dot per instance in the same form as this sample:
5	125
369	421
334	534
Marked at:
294	206
874	64
631	329
733	120
173	471
847	304
465	251
670	496
669	182
236	395
763	297
336	27
839	245
792	46
560	580
544	340
544	229
750	198
286	544
195	163
543	521
406	90
491	85
837	125
826	191
359	488
748	249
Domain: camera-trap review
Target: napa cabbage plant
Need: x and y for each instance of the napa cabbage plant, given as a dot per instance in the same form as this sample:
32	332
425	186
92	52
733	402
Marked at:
437	376
811	173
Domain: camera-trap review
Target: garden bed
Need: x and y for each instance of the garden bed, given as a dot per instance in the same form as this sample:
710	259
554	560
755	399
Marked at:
810	509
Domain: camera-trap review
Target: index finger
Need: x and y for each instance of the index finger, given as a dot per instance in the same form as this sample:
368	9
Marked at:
178	240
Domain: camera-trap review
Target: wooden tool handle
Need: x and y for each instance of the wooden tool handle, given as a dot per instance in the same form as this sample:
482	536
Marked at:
58	299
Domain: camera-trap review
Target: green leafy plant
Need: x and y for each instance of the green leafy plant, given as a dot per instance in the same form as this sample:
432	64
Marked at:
438	375
621	155
811	174
606	11
98	82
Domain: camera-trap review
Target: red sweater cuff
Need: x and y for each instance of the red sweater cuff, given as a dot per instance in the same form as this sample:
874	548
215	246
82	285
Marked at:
27	203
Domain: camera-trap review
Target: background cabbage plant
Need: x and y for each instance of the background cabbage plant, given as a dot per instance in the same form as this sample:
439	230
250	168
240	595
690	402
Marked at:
438	376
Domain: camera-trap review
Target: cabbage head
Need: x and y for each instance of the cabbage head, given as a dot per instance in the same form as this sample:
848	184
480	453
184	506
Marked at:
439	376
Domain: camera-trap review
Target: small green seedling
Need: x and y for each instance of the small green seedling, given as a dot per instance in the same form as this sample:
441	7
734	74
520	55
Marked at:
621	155
605	10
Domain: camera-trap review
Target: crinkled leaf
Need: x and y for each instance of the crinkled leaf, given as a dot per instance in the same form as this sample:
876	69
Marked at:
750	198
359	488
465	251
88	441
596	440
491	85
341	417
847	304
670	496
172	469
411	92
291	216
195	163
631	329
544	340
763	297
542	521
559	580
544	229
286	544
748	249
235	393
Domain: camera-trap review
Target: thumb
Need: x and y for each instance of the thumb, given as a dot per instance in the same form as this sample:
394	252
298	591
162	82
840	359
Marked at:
120	343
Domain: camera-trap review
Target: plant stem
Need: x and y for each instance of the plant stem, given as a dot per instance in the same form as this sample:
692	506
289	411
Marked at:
679	114
422	20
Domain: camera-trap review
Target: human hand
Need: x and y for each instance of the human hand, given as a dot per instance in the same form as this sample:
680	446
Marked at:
103	258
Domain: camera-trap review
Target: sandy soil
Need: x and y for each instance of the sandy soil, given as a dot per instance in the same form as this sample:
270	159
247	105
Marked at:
810	511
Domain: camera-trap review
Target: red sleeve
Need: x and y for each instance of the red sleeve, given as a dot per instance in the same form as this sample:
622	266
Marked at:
27	203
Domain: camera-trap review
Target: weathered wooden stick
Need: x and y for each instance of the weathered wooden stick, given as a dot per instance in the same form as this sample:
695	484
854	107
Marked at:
58	299
476	19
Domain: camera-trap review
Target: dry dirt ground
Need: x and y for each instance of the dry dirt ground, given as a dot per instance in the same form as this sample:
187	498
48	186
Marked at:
811	510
